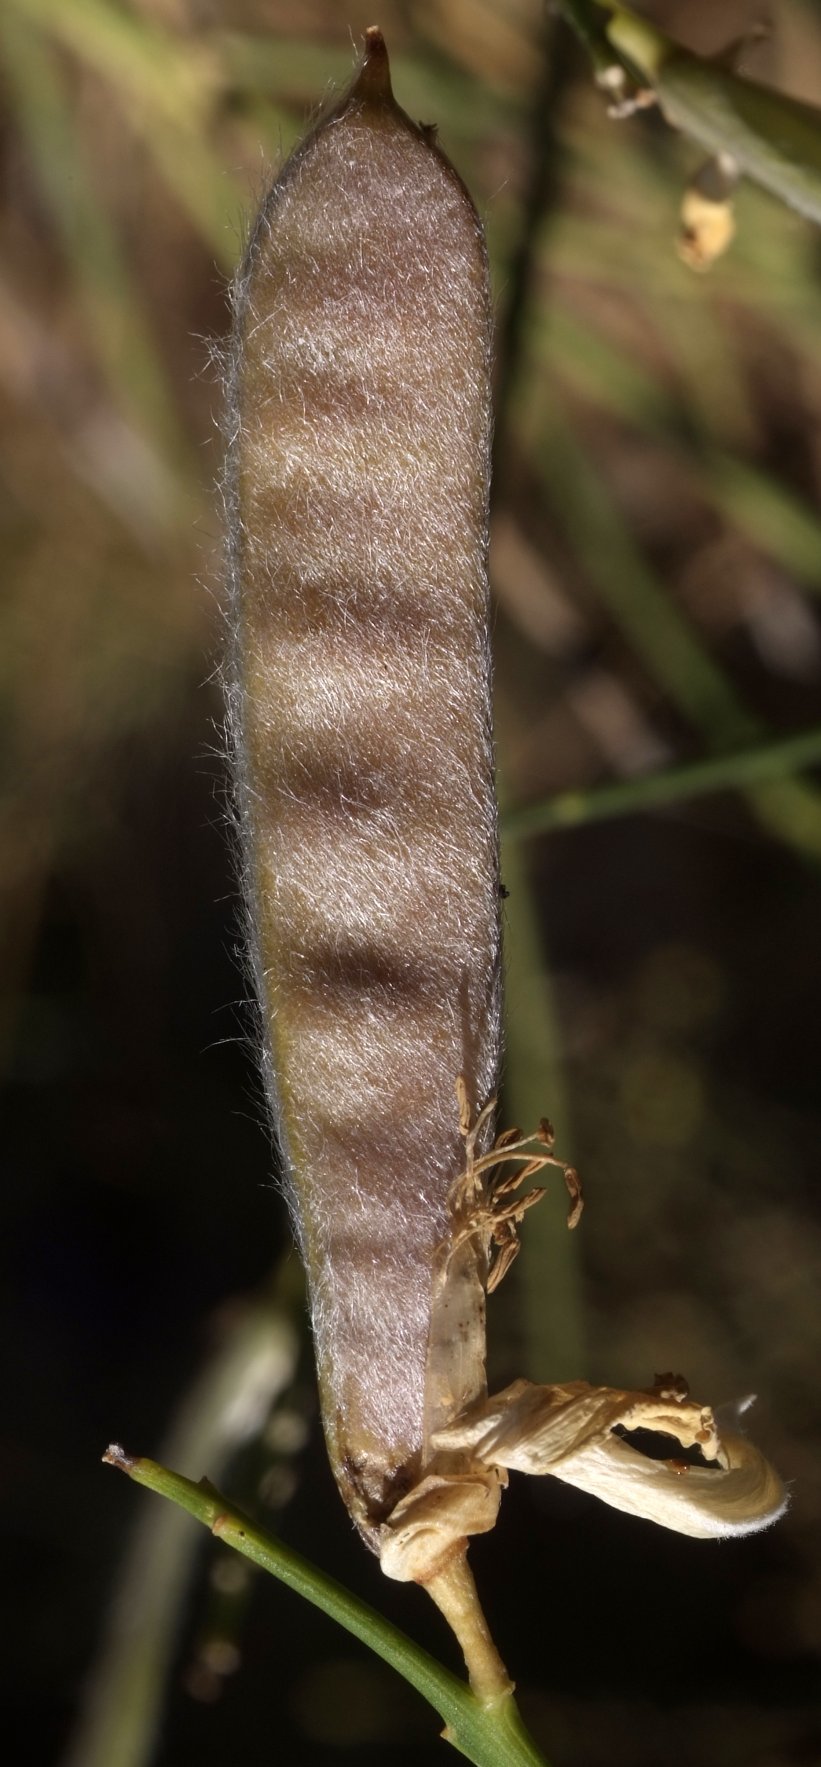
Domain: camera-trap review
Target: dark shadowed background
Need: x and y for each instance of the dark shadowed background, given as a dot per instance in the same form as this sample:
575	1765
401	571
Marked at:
656	564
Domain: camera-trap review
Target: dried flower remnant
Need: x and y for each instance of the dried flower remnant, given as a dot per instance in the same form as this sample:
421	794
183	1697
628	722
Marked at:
570	1430
486	1210
707	221
360	713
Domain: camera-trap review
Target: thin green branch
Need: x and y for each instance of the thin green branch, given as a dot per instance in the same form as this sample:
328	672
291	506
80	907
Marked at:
774	139
625	797
548	1286
588	21
662	636
540	199
490	1737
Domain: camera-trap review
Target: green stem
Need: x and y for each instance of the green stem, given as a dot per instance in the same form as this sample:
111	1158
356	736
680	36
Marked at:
774	139
540	200
588	21
661	634
548	1280
749	766
490	1737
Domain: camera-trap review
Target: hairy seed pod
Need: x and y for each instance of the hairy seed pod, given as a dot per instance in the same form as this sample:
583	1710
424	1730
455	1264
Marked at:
357	494
358	487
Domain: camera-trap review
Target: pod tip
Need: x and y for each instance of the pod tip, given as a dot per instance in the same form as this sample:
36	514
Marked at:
373	82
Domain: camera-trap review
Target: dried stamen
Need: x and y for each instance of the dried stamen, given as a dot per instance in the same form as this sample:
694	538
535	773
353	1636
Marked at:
479	1195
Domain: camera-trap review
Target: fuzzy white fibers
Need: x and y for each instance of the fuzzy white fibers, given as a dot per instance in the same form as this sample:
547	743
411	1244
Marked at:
358	500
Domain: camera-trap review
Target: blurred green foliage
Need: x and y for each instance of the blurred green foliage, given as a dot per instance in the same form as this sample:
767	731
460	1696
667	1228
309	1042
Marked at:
656	566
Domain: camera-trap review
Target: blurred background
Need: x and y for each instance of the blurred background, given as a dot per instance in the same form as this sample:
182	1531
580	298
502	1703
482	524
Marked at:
656	563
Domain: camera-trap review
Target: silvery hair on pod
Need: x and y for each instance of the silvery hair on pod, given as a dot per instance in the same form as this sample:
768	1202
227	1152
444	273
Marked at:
359	468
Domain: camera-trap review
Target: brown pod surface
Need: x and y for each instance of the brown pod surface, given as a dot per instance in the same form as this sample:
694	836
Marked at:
358	483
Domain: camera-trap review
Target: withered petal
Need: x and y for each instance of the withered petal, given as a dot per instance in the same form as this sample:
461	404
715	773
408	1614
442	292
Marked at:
567	1431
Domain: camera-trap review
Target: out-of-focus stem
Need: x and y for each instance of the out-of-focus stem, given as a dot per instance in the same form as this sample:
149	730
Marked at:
548	1274
588	21
773	139
625	797
118	1722
663	637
